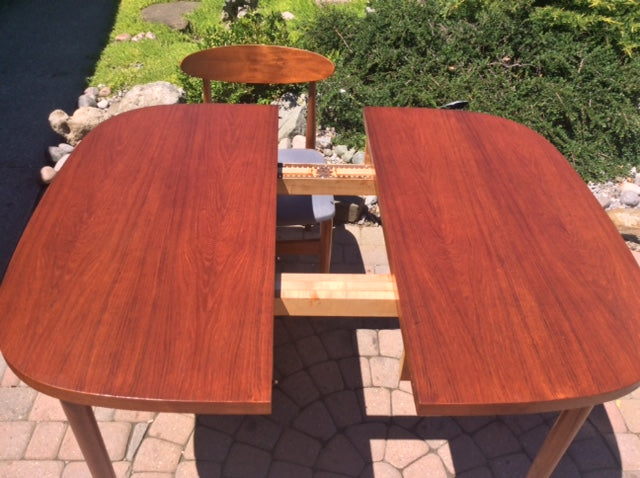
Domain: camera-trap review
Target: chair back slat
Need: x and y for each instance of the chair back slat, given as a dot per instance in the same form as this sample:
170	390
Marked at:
258	64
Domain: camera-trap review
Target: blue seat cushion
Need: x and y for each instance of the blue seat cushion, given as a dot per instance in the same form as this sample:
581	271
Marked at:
302	210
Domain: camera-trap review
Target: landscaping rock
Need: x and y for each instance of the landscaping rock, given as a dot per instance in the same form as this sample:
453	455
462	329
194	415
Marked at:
627	221
171	14
151	94
87	100
84	120
630	198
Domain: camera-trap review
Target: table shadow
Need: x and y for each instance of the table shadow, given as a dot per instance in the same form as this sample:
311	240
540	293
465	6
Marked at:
339	412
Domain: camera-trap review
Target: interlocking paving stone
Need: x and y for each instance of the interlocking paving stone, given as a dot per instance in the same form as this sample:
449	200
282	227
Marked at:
511	465
157	455
610	419
391	343
402	403
115	435
298	328
340	456
367	342
133	416
385	371
8	378
382	469
286	359
283	409
592	453
428	465
244	461
45	441
472	424
519	424
14	438
76	469
444	428
15	403
327	377
316	421
228	424
300	388
369	439
344	407
444	452
630	410
79	469
311	350
46	408
356	372
259	431
496	440
191	469
104	414
403	447
628	445
377	401
296	447
31	468
174	427
466	453
207	445
339	343
566	469
137	435
280	469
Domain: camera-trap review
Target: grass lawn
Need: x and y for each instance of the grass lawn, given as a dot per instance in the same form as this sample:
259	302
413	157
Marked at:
125	64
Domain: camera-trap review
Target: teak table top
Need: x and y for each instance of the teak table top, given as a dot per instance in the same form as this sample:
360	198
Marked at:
516	293
146	274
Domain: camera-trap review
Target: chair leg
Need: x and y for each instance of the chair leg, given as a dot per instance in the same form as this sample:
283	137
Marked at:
326	241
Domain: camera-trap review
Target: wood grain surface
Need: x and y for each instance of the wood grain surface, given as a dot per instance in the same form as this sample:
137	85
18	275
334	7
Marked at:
516	293
258	64
145	277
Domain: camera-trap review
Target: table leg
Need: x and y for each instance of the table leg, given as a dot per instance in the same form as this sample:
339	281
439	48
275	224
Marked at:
85	428
558	440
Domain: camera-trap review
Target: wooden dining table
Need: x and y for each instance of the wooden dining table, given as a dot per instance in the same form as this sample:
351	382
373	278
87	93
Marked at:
146	278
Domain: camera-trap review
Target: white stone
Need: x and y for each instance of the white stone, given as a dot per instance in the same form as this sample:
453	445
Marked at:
299	142
627	186
150	94
58	121
60	162
47	174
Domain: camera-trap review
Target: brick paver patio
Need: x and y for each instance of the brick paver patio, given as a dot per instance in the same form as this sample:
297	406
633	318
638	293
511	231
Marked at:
339	410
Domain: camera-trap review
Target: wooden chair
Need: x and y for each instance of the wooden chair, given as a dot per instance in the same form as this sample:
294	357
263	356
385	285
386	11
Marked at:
267	64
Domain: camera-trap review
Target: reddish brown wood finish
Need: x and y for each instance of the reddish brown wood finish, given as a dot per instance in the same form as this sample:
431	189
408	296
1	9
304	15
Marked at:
516	293
260	64
145	277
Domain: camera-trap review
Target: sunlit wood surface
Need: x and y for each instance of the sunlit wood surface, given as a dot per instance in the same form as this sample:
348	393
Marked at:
145	278
516	293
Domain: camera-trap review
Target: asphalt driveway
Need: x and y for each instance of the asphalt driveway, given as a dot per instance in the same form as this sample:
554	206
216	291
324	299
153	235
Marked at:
47	51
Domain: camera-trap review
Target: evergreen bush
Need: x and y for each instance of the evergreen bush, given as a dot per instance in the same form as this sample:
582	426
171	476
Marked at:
546	64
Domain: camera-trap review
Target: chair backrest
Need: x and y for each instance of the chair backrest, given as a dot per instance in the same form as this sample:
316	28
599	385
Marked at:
261	64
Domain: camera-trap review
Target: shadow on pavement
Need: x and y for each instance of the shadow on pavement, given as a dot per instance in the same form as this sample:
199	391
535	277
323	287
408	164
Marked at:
339	410
48	50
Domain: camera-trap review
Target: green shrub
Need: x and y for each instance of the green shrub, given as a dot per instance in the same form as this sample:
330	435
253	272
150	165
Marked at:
578	89
253	28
